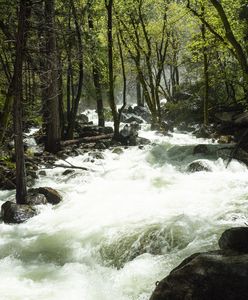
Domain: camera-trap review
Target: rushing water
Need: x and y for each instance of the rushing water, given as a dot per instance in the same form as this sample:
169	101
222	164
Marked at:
122	226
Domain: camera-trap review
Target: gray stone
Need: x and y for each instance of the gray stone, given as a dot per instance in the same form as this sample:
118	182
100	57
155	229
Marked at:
198	166
13	213
51	195
216	275
235	239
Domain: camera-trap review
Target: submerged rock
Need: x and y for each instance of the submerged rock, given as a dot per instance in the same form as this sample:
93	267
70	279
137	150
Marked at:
15	213
216	275
198	166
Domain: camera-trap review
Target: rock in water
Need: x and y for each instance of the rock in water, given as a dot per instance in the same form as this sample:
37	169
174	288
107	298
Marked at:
13	213
198	166
51	195
216	275
235	239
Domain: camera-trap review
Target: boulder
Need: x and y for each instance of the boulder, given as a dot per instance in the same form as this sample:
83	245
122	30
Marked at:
133	118
13	213
203	132
42	173
129	134
92	130
35	198
96	155
142	112
235	239
225	139
142	141
216	275
82	118
51	195
198	166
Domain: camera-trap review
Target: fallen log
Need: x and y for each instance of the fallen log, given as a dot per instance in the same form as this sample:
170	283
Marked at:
90	139
69	166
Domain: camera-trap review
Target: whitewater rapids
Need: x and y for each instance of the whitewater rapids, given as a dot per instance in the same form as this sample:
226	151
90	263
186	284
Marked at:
123	226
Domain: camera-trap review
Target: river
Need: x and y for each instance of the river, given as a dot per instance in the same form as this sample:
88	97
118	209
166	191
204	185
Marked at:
122	226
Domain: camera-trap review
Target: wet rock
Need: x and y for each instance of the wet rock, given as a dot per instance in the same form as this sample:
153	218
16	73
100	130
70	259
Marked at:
35	198
30	181
96	155
225	139
133	118
216	275
117	150
129	134
198	166
142	141
82	118
13	213
100	145
130	110
51	195
142	112
92	130
68	172
235	239
203	132
201	149
42	173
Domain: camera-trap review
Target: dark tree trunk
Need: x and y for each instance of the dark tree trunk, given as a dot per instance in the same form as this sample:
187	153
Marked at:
140	99
96	75
109	7
76	100
124	77
24	14
52	115
206	74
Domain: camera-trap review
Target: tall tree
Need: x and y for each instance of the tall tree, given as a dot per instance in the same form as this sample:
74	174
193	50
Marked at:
111	97
24	14
96	69
51	92
76	100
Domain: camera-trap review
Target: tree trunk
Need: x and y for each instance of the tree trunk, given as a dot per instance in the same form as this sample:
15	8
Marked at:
239	51
206	75
76	100
109	7
52	115
96	75
24	14
140	99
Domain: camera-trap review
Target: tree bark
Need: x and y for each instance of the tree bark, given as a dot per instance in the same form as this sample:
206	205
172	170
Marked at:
76	100
24	14
52	115
96	74
109	7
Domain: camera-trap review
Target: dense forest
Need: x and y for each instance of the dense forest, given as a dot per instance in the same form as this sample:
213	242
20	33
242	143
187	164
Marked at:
175	65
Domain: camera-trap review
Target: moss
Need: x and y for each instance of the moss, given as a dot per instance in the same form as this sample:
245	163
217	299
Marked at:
6	160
